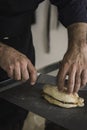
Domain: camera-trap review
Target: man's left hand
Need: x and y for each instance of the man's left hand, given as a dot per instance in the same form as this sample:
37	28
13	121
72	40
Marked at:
74	62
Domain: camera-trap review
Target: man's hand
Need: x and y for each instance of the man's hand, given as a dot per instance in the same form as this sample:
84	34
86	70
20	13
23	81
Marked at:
74	63
16	64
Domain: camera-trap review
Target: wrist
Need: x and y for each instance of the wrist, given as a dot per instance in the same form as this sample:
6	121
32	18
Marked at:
2	47
77	34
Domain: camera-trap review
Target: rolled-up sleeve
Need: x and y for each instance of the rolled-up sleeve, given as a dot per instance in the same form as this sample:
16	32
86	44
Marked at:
71	11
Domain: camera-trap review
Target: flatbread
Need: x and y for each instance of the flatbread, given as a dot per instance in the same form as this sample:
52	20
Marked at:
62	99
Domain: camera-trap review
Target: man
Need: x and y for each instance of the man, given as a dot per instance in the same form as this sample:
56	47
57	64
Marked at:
16	49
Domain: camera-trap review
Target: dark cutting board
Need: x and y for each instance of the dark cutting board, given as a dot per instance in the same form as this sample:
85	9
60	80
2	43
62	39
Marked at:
30	98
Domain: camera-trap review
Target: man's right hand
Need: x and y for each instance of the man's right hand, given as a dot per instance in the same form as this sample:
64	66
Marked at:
16	64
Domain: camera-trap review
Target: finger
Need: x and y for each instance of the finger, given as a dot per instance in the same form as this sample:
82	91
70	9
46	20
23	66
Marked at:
77	81
17	72
62	75
24	72
71	79
10	71
33	73
83	78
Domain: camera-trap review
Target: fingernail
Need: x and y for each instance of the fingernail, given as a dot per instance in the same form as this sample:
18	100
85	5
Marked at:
32	83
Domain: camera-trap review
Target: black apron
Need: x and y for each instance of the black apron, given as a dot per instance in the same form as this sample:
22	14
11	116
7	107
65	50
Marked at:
12	116
15	23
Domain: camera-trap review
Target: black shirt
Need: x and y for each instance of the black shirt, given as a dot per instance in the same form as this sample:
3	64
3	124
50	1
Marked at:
71	11
15	15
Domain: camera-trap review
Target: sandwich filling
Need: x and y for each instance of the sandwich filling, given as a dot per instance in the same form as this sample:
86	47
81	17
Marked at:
57	99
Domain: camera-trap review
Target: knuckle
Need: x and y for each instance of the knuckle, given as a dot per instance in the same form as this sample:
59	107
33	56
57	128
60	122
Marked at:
16	63
66	64
23	60
10	67
78	75
10	70
73	69
78	79
77	83
71	83
73	65
23	64
34	71
25	78
84	77
83	82
25	75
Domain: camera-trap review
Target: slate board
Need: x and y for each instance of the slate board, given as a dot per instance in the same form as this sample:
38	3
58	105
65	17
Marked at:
30	98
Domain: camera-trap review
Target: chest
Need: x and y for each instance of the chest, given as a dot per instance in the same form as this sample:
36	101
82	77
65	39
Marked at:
18	6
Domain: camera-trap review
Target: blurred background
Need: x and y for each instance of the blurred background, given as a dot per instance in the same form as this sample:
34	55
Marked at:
49	35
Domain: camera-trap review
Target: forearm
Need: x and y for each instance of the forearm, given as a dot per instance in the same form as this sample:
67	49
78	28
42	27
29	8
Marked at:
2	46
77	35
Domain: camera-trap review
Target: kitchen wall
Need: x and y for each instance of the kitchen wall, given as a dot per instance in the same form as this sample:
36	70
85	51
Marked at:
58	36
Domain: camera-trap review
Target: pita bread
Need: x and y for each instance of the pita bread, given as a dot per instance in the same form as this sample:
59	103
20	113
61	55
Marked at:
62	99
